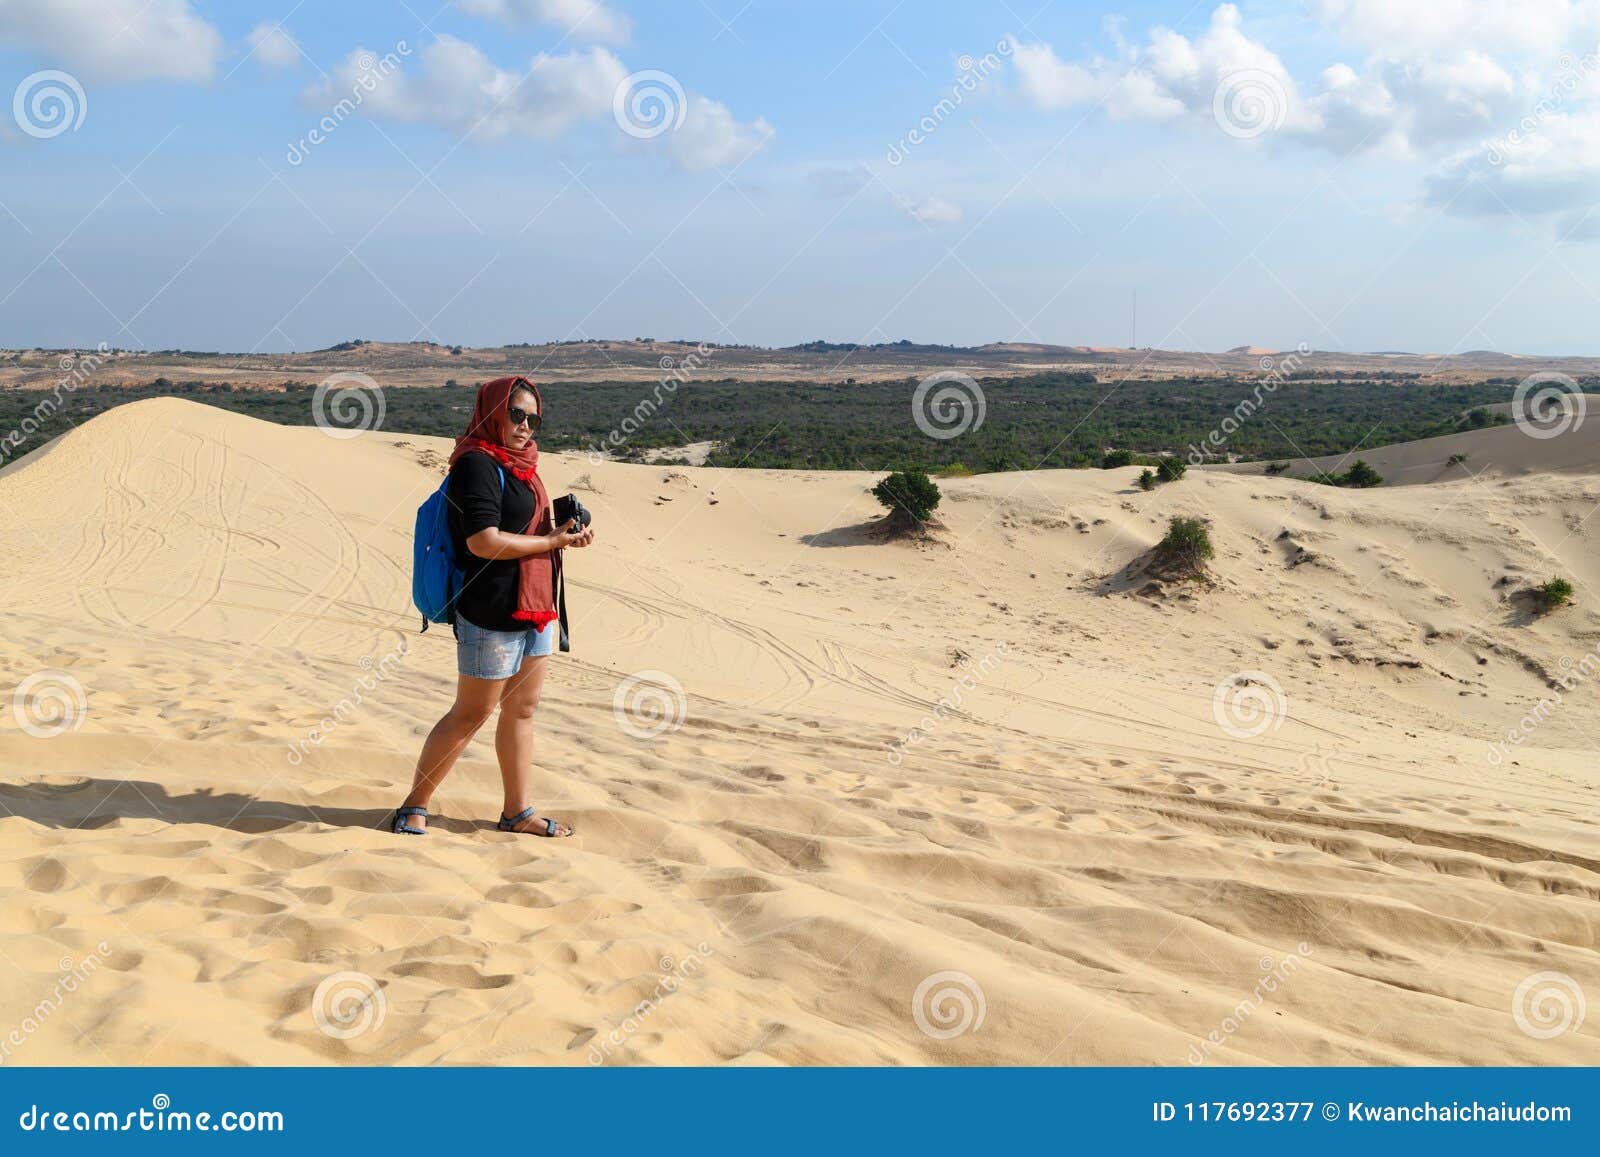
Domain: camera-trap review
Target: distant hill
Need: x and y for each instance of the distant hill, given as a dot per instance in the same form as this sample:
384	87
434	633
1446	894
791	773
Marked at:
426	363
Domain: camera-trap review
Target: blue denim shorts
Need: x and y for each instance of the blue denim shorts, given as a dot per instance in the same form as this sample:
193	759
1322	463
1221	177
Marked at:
485	654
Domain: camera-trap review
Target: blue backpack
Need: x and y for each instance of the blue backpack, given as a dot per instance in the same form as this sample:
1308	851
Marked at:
437	575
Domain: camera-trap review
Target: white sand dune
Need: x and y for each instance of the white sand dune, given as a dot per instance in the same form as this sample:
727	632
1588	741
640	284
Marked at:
1111	872
1495	452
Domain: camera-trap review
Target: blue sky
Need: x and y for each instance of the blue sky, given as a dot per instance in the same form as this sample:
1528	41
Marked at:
1351	174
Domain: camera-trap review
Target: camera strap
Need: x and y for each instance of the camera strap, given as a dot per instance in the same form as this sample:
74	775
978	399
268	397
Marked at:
561	602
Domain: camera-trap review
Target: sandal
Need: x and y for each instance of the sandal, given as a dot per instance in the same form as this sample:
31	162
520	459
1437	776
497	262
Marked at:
551	827
400	827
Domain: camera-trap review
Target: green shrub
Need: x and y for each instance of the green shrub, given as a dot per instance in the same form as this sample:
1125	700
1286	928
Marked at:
1360	476
955	470
909	492
1115	458
1171	469
1147	480
1187	545
1555	593
1455	460
1277	467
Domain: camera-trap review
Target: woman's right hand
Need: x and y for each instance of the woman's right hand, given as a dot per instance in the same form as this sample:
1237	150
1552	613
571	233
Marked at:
575	535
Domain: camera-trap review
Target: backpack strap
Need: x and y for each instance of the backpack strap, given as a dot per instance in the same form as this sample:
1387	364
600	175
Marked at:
455	628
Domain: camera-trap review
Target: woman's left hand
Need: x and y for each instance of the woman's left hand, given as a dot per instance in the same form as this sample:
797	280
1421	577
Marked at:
575	535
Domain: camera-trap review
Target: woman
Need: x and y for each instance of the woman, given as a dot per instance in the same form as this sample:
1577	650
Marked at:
505	614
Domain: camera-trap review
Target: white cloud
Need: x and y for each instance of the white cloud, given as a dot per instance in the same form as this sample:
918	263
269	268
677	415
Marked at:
1434	77
710	136
272	45
1448	26
1551	169
1352	111
1165	79
1174	71
1139	96
935	211
1436	93
1048	81
115	39
455	87
579	19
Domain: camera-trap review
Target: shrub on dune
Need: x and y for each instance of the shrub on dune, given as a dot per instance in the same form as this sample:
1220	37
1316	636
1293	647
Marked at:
1360	476
1555	593
911	497
1186	548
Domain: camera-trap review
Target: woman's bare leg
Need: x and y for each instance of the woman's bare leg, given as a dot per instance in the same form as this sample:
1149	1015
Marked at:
475	702
513	741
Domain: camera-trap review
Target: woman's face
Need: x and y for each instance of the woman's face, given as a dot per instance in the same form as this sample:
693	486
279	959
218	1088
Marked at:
517	435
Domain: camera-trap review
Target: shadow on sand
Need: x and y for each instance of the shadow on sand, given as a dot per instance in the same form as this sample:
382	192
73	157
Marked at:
868	533
876	531
77	802
1149	573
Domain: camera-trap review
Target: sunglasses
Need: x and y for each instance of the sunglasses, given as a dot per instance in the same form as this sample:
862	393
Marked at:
521	417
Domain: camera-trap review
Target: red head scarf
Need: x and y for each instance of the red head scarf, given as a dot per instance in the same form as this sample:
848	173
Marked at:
483	430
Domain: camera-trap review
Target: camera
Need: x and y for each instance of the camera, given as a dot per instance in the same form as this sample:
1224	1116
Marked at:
566	508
